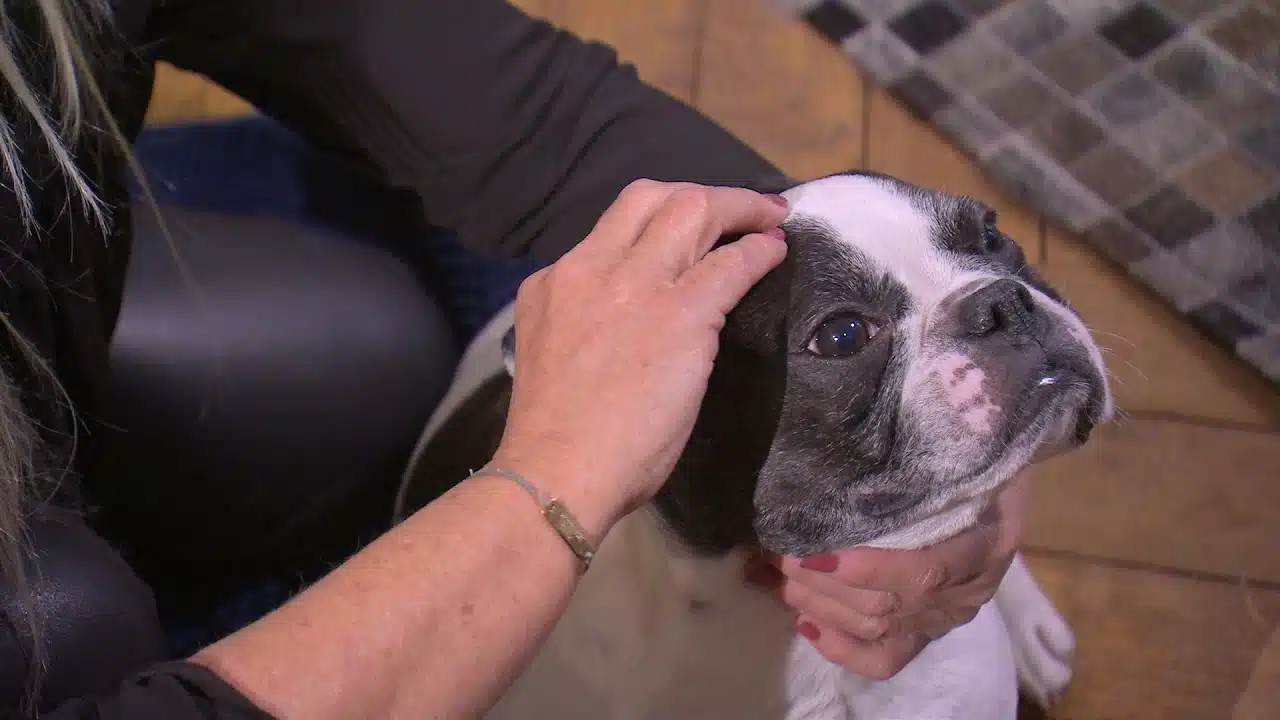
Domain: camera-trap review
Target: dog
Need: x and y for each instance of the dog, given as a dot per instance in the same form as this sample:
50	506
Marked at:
878	388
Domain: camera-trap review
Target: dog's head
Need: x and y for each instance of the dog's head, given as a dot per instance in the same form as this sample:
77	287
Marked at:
900	366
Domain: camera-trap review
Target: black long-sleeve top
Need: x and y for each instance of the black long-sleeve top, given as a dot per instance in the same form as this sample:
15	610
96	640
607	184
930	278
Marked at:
511	132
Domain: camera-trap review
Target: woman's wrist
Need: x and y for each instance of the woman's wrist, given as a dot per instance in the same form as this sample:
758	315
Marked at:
594	501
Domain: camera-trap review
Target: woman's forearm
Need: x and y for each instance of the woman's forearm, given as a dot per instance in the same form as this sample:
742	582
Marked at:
437	617
432	620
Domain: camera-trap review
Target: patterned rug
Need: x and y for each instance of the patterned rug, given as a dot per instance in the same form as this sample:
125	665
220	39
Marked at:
1150	128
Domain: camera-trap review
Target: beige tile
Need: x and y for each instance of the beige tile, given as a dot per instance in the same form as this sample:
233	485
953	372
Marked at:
1157	360
660	37
912	150
182	96
1151	646
222	103
1168	493
177	95
781	88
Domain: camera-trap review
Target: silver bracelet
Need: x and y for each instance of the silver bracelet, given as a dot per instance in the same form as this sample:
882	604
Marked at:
557	515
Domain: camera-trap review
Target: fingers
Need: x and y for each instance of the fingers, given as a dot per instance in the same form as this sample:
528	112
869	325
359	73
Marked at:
918	576
623	222
860	599
842	597
663	230
726	274
877	660
935	623
841	611
690	222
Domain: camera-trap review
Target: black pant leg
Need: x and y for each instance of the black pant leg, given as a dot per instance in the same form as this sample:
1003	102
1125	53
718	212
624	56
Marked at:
96	620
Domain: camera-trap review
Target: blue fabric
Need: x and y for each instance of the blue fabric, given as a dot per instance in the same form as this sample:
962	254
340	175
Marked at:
254	166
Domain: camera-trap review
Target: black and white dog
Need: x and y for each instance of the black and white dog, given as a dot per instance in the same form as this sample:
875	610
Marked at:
878	388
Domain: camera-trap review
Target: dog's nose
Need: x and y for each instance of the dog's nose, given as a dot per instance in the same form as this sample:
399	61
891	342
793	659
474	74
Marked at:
1004	307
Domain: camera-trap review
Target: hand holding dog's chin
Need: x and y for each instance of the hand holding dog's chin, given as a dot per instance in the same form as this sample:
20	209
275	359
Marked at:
873	610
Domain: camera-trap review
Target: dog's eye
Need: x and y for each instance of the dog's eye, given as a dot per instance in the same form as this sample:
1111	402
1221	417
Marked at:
993	241
841	335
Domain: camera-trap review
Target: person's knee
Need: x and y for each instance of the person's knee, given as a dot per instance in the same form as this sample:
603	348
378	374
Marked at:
95	621
266	419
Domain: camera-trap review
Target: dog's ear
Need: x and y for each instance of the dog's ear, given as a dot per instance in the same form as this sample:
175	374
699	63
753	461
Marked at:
759	320
509	350
709	500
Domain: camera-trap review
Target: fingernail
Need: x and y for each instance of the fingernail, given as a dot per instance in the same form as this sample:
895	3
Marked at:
762	575
777	234
777	200
821	563
809	631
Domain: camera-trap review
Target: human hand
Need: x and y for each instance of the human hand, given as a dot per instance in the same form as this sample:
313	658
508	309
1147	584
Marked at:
873	610
615	341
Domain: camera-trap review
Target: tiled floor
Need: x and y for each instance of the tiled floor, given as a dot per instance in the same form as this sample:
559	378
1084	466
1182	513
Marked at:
1161	540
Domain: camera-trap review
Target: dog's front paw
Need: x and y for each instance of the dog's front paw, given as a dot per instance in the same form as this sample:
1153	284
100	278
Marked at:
1043	643
1043	649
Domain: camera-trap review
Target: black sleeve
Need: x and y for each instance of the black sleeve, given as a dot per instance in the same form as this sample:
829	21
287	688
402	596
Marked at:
174	691
513	133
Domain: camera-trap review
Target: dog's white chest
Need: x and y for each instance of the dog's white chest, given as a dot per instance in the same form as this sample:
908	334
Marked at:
655	634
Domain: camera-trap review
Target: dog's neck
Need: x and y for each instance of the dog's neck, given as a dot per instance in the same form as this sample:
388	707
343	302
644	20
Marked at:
709	500
703	575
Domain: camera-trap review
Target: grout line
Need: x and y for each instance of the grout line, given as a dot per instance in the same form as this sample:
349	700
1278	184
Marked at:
1173	416
701	21
1119	564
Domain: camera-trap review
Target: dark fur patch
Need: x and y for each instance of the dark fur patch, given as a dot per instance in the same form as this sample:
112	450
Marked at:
461	445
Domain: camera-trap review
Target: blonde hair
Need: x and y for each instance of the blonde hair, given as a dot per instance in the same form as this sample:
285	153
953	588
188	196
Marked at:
60	119
60	115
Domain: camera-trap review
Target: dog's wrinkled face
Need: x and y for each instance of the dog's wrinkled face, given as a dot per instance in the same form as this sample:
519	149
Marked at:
899	368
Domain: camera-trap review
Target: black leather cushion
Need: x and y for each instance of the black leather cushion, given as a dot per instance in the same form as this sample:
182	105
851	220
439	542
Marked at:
268	387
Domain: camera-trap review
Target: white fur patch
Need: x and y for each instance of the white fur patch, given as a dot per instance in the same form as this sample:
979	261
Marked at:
886	227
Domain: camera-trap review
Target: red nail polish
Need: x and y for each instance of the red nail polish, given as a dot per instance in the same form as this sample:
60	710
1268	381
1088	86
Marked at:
763	575
821	563
777	200
809	631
